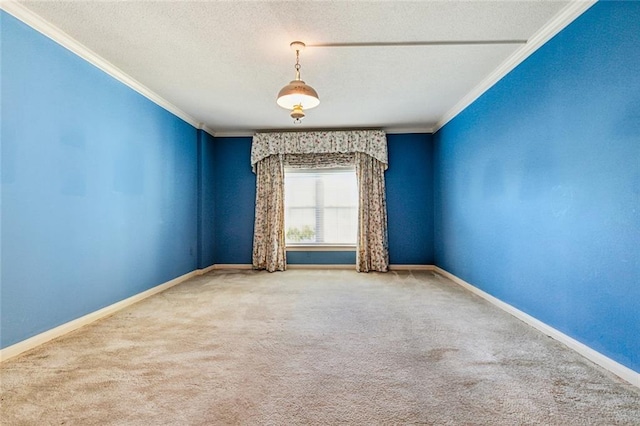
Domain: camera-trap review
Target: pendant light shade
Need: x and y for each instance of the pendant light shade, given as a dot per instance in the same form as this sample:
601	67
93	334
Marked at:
297	92
298	95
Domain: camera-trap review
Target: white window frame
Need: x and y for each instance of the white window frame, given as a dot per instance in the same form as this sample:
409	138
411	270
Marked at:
319	246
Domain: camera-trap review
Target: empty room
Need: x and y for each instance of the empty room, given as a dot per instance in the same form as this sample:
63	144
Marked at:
320	212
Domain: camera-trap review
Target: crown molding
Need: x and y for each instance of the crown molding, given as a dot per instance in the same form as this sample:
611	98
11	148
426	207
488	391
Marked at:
403	130
564	18
574	9
65	40
389	131
234	134
207	129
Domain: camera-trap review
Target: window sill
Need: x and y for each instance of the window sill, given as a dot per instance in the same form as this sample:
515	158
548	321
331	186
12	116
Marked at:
320	247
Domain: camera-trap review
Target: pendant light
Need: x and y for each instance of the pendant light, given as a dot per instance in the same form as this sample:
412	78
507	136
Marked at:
297	95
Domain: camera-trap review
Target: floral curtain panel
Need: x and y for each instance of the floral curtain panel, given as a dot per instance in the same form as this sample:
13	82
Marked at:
373	242
268	231
318	161
364	148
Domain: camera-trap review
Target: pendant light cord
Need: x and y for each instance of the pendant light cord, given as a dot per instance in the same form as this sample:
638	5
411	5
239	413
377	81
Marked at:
297	65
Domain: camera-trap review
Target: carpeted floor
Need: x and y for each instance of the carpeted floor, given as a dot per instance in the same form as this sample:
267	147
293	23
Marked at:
311	347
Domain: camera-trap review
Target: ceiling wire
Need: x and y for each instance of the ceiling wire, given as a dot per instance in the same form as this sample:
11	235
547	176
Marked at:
418	43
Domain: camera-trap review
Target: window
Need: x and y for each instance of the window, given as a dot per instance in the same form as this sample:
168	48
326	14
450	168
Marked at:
321	206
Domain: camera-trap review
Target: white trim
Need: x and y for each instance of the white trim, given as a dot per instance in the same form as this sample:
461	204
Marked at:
207	129
327	266
235	134
346	266
404	130
206	270
388	131
219	266
65	40
574	9
37	340
616	368
412	268
320	248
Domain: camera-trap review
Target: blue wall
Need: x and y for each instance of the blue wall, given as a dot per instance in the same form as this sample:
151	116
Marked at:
99	188
206	199
538	184
321	257
235	198
409	183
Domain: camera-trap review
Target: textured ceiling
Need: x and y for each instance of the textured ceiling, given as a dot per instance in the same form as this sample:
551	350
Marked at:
223	63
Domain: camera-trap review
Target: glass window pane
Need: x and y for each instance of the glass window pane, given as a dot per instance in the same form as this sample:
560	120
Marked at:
321	206
300	225
300	190
340	224
340	190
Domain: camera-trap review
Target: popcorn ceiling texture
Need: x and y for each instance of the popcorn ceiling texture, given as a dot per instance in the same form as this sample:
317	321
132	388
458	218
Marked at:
223	62
311	347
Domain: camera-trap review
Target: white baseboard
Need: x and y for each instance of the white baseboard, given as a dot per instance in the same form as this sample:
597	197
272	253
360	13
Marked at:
37	340
222	266
349	267
605	362
331	266
616	368
412	268
219	266
205	270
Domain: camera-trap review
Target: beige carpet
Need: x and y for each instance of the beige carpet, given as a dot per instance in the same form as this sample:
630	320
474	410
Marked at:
311	347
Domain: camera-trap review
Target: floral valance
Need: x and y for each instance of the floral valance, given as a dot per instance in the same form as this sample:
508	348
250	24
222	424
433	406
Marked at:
370	142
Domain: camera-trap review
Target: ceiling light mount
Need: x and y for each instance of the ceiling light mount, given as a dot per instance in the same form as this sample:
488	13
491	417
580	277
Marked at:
297	95
297	46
